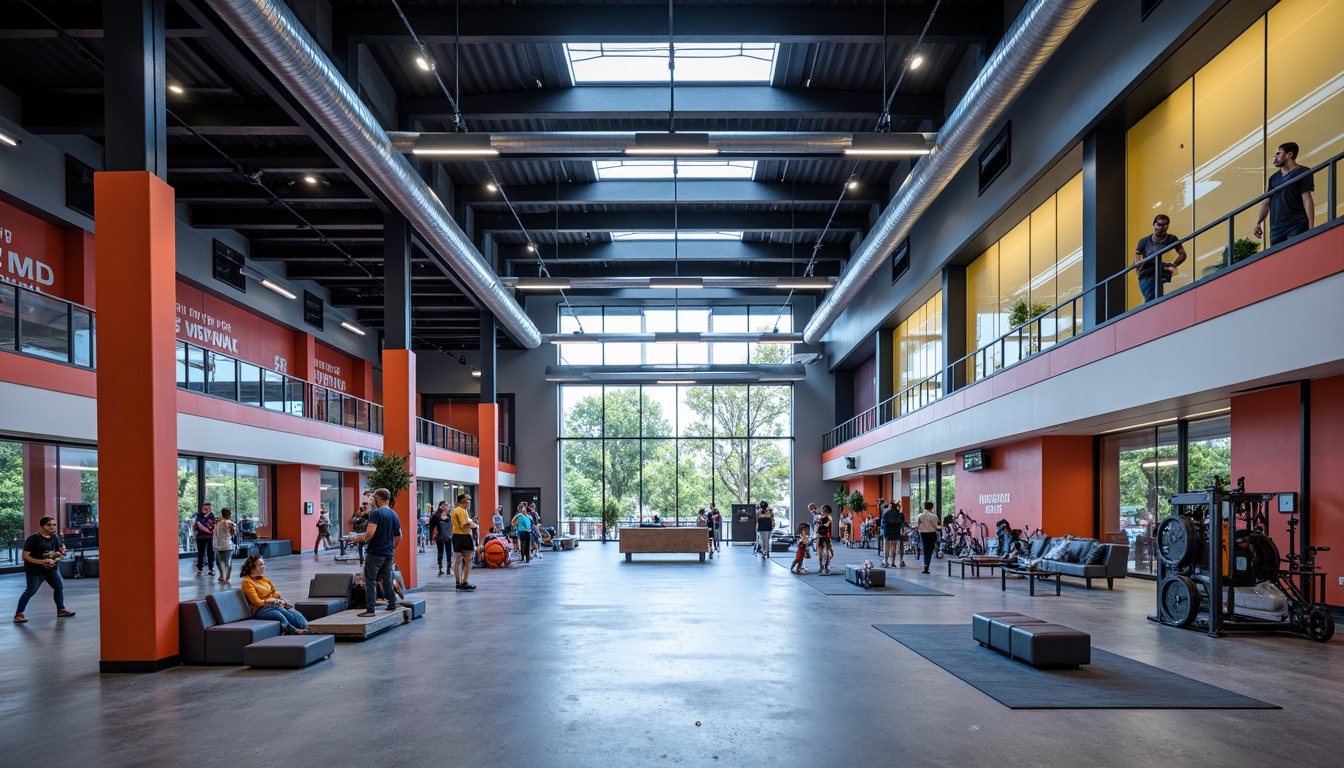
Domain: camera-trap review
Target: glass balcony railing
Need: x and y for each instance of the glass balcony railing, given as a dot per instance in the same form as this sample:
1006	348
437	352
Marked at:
211	373
1106	300
36	324
447	438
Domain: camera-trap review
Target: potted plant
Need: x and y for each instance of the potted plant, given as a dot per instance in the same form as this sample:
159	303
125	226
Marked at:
841	500
1024	312
1244	248
390	472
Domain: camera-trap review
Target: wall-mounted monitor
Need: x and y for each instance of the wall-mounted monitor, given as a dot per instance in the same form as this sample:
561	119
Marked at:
976	460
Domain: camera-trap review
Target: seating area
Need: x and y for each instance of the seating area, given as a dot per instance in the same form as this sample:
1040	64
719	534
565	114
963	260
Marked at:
865	577
1031	640
1086	559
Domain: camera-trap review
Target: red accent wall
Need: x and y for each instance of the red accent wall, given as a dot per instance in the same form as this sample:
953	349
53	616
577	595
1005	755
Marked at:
1044	481
32	252
460	416
335	370
1327	481
211	322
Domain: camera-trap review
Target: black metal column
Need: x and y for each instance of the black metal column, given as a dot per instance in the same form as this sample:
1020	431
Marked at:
885	364
954	328
1104	249
396	282
489	332
1304	498
134	86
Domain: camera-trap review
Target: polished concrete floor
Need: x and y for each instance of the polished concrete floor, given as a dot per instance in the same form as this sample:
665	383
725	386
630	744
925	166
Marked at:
582	659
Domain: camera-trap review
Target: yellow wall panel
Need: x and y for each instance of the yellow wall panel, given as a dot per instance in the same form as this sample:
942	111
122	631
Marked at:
1159	171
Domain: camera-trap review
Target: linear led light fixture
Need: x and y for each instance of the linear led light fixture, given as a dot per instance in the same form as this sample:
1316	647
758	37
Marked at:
675	381
665	283
673	337
671	144
8	140
454	145
675	374
688	283
280	289
352	328
887	144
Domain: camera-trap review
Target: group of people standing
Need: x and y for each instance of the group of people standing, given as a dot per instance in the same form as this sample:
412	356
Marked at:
215	541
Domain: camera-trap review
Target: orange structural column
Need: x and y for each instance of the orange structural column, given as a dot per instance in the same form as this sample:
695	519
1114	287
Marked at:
297	486
399	414
137	421
487	492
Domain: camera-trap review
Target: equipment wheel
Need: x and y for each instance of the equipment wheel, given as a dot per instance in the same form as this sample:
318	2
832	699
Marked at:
1176	541
1178	600
1320	624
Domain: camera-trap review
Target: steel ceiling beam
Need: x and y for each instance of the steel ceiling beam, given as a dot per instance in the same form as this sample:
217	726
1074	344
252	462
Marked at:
298	192
326	220
83	114
711	22
657	250
293	160
686	221
616	192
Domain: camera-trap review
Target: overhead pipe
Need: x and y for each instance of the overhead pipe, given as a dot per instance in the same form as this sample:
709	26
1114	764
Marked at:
615	143
270	30
1026	46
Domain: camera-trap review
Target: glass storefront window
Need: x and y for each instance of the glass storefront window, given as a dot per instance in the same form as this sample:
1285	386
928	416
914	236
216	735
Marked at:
188	500
332	497
44	326
9	301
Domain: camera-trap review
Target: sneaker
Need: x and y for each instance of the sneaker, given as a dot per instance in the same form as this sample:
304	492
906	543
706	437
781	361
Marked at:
926	570
440	571
211	573
367	615
64	614
902	565
19	618
468	587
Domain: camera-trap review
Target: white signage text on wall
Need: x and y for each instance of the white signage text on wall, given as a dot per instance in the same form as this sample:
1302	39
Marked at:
206	329
328	375
993	502
28	271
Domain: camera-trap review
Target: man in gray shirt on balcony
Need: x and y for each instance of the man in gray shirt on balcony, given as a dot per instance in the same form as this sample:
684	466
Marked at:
1152	274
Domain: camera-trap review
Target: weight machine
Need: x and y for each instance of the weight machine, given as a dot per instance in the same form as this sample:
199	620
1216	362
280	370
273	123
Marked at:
1214	551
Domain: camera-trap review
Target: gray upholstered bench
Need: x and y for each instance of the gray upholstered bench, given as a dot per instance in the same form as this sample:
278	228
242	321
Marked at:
289	651
877	577
417	606
234	629
328	593
980	624
1000	631
1050	645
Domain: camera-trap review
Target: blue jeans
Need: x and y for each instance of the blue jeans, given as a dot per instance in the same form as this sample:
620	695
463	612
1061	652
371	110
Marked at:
52	577
288	617
1148	289
378	571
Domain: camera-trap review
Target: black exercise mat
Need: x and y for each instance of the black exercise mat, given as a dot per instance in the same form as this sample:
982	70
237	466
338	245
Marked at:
835	584
1109	682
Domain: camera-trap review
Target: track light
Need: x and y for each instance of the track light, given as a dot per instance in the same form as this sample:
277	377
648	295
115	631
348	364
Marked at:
531	248
425	63
310	179
177	89
852	184
916	62
490	187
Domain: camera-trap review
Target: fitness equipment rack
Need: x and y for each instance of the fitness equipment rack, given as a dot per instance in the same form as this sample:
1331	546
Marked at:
1216	541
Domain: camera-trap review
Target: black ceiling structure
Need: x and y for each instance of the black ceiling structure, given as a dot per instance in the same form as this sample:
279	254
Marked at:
244	155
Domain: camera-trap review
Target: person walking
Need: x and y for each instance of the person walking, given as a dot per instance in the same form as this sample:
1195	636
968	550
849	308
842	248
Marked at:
463	546
1291	209
323	532
224	533
203	526
383	534
42	552
714	519
825	550
928	526
765	524
441	533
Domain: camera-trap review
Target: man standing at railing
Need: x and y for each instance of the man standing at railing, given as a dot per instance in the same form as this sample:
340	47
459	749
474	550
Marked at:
1154	269
1291	208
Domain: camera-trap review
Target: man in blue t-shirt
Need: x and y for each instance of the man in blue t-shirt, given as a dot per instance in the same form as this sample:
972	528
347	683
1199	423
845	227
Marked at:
1292	209
383	534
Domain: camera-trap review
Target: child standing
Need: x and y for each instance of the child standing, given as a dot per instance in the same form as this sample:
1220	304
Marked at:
798	567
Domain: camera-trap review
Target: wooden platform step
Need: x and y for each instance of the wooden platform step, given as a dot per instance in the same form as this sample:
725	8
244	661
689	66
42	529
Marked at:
349	625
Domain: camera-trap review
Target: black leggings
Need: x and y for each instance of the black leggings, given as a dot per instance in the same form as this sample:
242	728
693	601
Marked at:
445	551
205	552
928	543
525	544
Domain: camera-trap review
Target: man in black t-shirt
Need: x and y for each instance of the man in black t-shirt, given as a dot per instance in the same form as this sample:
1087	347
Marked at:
41	553
1292	208
765	525
1152	273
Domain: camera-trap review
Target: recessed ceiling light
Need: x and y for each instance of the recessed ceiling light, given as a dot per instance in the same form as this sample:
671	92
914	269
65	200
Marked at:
174	88
424	63
475	373
853	184
916	61
310	178
531	248
490	187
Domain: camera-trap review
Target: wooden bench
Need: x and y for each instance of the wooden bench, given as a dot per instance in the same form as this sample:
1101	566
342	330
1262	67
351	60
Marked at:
694	541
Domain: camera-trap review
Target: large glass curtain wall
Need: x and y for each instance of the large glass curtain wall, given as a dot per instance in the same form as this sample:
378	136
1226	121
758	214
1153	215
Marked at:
628	453
1209	147
1033	268
936	483
680	318
244	488
329	484
919	354
1140	470
39	480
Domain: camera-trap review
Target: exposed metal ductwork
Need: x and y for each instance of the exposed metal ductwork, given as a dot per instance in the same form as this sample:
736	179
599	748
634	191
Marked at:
608	143
1031	40
270	30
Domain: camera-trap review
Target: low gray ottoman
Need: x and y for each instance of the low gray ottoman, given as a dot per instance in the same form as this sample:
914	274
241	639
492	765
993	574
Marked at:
1051	645
980	624
289	651
999	629
417	607
877	577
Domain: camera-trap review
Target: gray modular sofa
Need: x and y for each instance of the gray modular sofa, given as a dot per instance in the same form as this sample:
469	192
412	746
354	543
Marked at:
1087	559
215	629
328	593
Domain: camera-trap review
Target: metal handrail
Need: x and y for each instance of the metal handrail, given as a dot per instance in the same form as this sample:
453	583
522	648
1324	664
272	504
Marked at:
1030	337
279	392
440	436
77	352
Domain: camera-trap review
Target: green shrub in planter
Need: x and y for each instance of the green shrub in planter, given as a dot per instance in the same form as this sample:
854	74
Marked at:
1244	248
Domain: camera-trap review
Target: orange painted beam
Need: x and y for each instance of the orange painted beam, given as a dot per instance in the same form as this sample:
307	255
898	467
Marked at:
487	493
137	418
297	485
399	400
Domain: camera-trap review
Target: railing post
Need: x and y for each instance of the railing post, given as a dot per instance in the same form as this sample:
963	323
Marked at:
1231	241
1332	178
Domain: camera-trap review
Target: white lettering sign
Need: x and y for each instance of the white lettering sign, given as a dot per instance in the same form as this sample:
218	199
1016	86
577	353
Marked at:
993	502
205	329
28	272
328	375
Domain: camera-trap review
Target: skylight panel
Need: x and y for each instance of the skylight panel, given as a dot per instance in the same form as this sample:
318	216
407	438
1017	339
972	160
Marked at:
686	169
647	62
626	236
